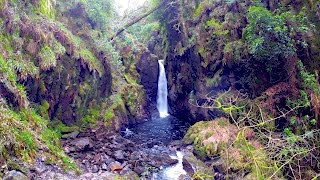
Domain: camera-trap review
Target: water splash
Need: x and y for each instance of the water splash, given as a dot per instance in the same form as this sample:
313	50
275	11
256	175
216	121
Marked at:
173	172
162	101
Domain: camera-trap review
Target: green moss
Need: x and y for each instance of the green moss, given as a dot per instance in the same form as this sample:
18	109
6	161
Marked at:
198	10
4	68
26	138
11	165
46	8
309	80
117	105
109	115
92	116
47	58
92	61
213	23
62	128
58	48
52	140
129	79
250	158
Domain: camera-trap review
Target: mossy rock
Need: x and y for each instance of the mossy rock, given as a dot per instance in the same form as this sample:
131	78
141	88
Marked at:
248	156
211	137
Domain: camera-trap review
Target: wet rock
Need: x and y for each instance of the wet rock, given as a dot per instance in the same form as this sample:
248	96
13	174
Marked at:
115	166
94	169
98	176
69	149
184	177
71	135
97	159
108	160
148	69
187	167
167	160
119	155
139	169
161	160
135	155
82	144
126	169
15	175
104	167
131	175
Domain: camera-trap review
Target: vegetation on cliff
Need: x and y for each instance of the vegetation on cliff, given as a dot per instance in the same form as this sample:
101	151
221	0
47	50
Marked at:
250	68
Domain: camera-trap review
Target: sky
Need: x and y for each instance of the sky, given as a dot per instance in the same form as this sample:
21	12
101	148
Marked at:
123	5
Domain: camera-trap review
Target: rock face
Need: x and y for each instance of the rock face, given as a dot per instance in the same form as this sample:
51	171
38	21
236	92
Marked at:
148	69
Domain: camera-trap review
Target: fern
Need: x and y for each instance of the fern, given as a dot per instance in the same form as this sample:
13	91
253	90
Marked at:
47	58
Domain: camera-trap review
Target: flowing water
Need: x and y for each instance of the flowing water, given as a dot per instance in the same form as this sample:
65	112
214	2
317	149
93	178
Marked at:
161	129
162	100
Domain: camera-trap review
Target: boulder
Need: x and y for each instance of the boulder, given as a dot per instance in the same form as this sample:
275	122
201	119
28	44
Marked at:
71	135
94	169
104	167
115	166
82	144
187	166
211	137
139	169
119	155
15	175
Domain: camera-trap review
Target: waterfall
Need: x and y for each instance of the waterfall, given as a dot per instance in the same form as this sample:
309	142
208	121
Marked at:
162	101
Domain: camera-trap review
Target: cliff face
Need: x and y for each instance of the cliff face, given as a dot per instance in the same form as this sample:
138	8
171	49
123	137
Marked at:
214	46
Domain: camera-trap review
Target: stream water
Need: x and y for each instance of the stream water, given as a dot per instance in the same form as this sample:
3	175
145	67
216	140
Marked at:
161	130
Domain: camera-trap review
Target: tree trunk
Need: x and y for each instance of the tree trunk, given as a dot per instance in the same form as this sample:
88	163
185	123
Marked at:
137	20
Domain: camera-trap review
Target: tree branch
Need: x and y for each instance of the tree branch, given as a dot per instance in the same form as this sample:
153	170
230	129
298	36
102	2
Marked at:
137	20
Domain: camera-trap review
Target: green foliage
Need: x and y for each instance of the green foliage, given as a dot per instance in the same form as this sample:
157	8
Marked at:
302	101
61	128
250	158
201	176
112	53
218	27
288	132
117	105
234	51
58	48
198	10
309	80
267	35
129	79
46	7
213	23
109	115
47	58
100	12
141	32
25	132
52	140
92	116
24	68
92	61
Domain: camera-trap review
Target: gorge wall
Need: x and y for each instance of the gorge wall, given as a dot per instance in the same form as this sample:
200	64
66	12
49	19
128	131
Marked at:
209	49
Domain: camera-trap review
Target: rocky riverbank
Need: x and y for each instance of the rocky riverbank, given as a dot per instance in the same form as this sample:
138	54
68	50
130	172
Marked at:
102	154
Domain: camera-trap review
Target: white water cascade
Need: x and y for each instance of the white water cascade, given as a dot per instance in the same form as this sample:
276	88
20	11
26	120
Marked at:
162	101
